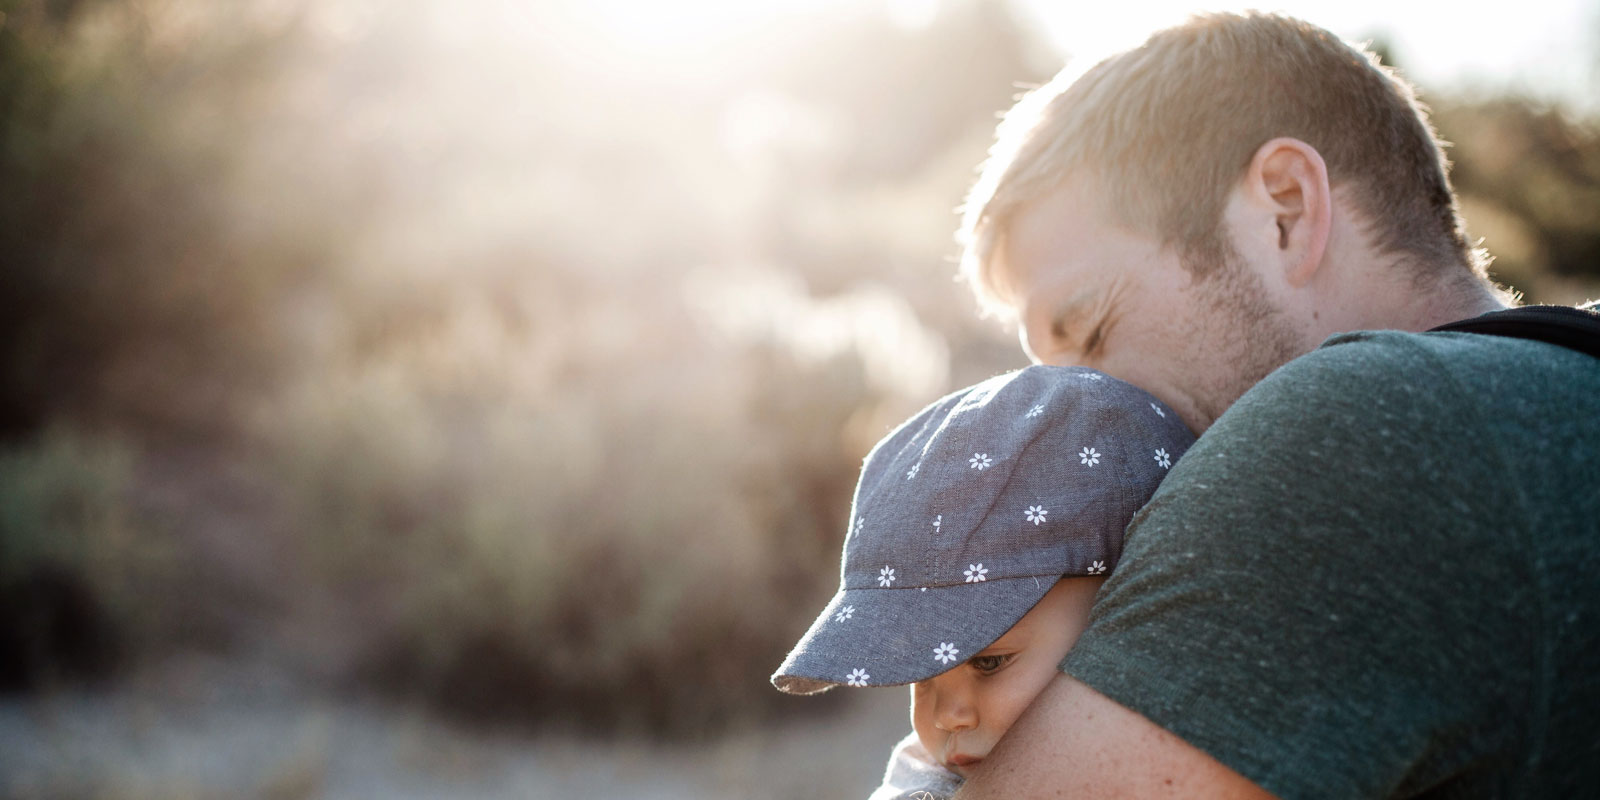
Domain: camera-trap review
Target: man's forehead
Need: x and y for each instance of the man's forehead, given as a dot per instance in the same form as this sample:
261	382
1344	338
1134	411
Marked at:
1067	234
1041	231
1024	272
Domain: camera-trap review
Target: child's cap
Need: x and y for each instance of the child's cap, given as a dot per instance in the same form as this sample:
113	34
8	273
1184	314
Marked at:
968	513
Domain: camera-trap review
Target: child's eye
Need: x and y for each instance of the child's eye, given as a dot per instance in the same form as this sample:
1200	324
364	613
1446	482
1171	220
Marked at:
988	665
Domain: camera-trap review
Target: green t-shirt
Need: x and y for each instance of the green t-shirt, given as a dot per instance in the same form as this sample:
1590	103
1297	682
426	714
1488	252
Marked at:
1377	575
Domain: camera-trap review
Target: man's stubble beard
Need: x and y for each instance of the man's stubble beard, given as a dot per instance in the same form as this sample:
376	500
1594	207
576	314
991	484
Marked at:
1254	334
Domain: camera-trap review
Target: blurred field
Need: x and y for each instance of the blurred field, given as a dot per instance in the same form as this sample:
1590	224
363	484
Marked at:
496	372
248	733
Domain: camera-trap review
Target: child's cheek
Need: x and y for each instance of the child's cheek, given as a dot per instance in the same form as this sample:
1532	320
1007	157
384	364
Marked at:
1015	689
922	719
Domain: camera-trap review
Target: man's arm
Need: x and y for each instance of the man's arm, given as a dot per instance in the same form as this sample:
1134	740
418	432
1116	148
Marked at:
1075	742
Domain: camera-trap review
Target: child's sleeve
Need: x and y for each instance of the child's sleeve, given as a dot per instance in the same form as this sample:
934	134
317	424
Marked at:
912	774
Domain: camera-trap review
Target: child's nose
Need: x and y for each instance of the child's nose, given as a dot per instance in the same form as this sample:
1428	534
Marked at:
955	709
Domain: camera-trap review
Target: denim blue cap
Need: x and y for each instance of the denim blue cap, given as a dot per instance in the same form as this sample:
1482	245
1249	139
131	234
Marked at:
970	511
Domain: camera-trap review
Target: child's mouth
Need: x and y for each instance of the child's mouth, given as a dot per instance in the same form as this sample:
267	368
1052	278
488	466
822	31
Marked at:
959	764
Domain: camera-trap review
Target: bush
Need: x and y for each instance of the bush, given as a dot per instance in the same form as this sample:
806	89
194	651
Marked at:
142	266
84	580
624	538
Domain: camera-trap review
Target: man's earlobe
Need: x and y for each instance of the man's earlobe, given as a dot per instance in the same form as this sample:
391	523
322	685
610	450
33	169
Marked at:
1294	181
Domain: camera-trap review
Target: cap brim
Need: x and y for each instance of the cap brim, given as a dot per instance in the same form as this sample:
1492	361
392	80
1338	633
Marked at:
891	637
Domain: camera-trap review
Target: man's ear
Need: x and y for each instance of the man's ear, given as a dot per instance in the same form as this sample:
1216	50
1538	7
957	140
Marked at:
1288	180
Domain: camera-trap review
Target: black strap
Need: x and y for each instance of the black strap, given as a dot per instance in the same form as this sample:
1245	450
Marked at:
1574	328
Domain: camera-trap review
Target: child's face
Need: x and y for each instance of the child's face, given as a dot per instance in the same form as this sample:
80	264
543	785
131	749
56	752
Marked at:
960	714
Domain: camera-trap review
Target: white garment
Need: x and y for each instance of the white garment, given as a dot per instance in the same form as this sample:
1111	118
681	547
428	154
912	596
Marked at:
914	774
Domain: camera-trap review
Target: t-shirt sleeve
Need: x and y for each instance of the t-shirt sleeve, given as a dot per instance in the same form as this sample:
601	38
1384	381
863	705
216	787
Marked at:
1293	598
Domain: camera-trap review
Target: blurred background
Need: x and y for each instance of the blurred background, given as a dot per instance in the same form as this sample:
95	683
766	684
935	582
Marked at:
420	398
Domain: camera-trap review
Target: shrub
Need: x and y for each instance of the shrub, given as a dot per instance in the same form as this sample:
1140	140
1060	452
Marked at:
83	577
625	537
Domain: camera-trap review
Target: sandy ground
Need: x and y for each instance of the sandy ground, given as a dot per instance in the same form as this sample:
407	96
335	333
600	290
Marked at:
216	730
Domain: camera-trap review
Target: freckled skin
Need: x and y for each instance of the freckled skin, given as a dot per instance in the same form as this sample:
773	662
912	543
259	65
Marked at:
960	714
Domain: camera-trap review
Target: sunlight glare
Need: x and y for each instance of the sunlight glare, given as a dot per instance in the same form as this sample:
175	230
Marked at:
901	355
1541	47
654	27
912	15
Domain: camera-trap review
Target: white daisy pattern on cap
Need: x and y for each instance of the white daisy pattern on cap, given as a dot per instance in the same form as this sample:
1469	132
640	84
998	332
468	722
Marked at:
1159	412
886	576
1094	376
1035	411
976	573
980	461
860	521
1089	457
844	613
945	652
938	519
857	677
1163	458
1035	514
912	473
1097	568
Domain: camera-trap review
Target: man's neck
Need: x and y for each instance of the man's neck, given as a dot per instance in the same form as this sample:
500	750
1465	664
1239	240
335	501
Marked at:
1450	303
1389	300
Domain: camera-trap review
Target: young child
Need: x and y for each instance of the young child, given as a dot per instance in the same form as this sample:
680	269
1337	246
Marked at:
980	531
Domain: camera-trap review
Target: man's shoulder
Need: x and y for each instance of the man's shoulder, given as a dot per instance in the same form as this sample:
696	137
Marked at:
1421	428
1336	390
1387	372
1400	353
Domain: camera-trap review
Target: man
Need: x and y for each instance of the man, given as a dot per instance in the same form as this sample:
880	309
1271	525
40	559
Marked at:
1375	575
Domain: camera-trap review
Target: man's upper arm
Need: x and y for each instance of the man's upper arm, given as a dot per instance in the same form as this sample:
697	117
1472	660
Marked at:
1104	751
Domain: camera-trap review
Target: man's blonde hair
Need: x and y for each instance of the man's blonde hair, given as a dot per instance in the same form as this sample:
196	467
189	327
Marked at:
1163	133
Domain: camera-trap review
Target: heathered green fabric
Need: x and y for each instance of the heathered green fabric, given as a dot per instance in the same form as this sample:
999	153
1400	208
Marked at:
1377	575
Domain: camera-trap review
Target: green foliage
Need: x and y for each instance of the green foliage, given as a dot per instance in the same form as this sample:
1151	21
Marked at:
59	500
87	578
132	293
